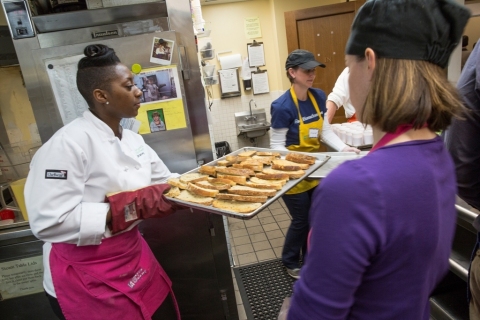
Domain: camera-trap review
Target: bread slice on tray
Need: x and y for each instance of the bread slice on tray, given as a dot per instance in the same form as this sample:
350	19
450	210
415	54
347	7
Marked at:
213	186
249	191
280	164
264	159
247	153
238	197
236	179
267	153
272	176
231	158
223	163
177	183
202	191
292	174
235	171
263	186
193	177
187	196
268	182
236	206
222	181
255	166
208	170
173	192
300	158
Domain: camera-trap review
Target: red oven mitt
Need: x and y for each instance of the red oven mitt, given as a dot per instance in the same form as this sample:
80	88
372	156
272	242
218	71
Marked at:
130	206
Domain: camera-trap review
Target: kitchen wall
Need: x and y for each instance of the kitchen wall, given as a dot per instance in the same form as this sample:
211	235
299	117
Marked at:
19	136
227	34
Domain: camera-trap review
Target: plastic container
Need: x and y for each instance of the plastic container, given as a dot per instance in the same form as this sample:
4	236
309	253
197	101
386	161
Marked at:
17	188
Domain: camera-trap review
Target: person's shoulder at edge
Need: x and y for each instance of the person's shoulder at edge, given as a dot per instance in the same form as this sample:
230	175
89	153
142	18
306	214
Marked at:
280	101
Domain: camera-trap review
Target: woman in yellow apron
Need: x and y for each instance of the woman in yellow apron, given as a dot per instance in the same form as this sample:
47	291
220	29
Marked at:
297	123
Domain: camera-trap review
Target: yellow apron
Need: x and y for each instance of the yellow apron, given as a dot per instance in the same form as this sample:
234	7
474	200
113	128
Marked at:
308	142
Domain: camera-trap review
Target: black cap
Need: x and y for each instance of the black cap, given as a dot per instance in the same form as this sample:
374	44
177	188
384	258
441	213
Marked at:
426	30
302	58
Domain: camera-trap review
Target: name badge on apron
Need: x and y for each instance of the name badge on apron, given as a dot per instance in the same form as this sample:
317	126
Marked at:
313	133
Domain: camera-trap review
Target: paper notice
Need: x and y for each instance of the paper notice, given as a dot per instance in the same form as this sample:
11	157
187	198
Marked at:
252	28
21	277
260	82
229	80
62	73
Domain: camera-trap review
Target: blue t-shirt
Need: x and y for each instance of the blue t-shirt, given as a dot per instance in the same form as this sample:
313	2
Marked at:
285	115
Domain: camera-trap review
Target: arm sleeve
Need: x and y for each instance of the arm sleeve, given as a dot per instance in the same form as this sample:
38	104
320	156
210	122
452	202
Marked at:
340	94
278	139
55	207
330	138
346	233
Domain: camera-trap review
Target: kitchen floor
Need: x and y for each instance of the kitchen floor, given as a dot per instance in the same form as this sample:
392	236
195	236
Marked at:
258	239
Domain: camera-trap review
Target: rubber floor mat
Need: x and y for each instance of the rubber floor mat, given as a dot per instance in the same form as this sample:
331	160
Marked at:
263	286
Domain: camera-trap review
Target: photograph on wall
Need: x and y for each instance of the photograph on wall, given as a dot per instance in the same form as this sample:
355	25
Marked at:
157	120
162	95
158	85
162	50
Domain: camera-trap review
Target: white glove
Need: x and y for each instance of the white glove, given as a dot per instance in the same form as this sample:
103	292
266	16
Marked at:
351	149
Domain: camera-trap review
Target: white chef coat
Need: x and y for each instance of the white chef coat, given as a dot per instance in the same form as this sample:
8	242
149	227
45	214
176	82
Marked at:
340	94
87	162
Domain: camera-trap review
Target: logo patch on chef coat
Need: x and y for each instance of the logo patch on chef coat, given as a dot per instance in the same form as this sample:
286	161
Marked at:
140	151
56	174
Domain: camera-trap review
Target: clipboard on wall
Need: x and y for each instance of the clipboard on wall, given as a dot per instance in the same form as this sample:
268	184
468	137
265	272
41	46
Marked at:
260	82
256	55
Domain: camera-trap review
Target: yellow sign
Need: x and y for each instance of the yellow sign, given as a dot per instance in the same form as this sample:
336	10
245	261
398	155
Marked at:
252	28
174	116
162	105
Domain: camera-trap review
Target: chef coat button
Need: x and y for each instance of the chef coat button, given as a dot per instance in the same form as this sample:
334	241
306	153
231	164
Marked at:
126	168
137	167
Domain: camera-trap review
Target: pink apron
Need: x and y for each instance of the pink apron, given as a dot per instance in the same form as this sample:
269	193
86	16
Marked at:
381	143
118	279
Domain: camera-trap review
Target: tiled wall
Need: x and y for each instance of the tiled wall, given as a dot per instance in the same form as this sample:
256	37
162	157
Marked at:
222	119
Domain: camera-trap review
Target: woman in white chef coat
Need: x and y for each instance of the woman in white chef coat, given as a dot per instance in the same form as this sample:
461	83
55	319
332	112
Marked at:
89	272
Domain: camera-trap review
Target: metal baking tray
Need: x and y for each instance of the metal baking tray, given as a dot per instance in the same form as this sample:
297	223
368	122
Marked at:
321	160
336	158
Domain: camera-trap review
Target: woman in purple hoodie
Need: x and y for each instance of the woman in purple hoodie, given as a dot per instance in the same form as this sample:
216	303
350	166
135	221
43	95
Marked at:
380	253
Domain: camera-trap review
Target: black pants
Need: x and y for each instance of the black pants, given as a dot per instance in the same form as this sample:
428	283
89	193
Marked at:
166	311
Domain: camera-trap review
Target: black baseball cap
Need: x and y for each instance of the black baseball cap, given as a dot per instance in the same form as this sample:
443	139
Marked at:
302	58
426	30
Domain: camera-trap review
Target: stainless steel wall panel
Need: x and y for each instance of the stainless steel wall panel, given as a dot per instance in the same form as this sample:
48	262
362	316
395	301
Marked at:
84	35
45	107
97	17
179	13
